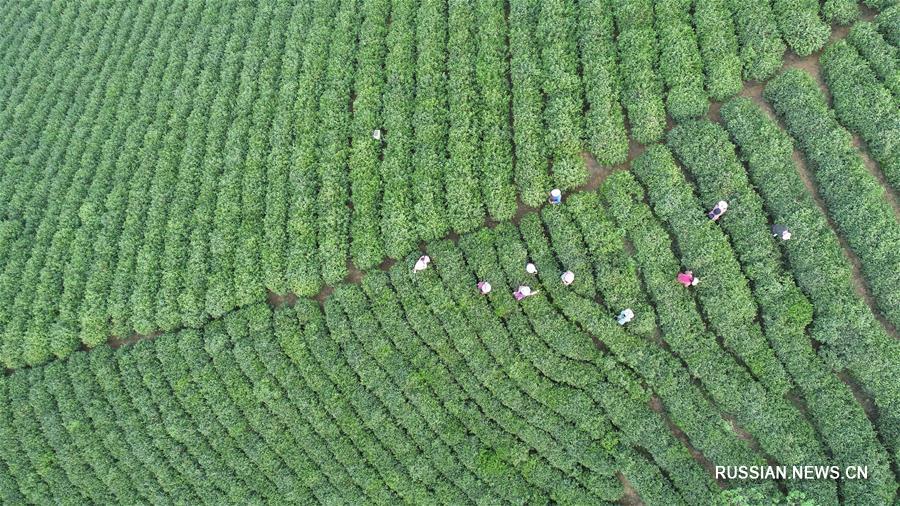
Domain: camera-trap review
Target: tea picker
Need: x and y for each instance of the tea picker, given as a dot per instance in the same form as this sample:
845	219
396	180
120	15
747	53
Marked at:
422	263
781	232
555	196
524	291
687	279
625	316
718	211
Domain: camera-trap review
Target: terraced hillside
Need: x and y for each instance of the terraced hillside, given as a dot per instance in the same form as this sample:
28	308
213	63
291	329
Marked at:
210	214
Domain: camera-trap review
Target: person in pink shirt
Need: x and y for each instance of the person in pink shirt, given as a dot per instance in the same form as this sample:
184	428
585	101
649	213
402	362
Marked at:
523	291
687	278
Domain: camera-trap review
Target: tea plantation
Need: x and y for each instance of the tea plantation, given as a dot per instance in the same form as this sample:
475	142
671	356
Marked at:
283	252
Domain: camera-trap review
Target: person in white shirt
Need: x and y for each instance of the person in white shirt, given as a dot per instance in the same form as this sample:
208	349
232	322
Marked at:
422	263
625	316
555	196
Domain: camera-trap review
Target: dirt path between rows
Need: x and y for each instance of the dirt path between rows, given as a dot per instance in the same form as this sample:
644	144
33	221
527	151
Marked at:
630	496
889	194
659	408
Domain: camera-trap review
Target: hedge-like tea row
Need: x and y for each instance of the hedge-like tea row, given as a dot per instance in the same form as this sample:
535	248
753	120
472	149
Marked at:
531	170
463	205
679	60
491	72
570	249
800	25
642	88
842	12
561	86
333	220
706	152
604	120
397	223
852	337
273	258
302	263
854	197
431	122
864	106
366	247
762	49
882	57
888	23
719	46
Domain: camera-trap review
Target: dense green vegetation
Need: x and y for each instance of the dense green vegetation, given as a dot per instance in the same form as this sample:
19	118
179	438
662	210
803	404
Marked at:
853	195
210	214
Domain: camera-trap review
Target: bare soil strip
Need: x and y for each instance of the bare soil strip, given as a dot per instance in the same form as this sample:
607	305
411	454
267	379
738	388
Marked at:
876	172
657	406
630	498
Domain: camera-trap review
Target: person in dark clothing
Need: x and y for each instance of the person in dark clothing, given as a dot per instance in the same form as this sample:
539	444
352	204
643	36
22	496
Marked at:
718	211
781	232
